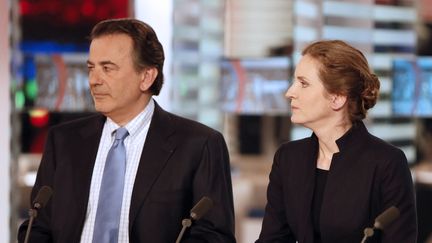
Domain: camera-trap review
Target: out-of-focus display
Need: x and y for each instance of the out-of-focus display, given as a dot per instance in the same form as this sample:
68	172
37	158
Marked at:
63	82
255	85
35	124
66	21
412	87
55	82
50	71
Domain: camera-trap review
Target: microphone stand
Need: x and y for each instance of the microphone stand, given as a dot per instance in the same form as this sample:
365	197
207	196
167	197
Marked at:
186	223
41	199
32	214
196	213
368	232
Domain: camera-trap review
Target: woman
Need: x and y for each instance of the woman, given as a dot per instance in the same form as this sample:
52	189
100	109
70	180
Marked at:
331	186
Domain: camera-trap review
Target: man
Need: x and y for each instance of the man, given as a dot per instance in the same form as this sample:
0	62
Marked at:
170	162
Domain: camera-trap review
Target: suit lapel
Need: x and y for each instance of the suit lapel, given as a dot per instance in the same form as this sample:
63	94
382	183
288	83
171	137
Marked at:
84	160
156	152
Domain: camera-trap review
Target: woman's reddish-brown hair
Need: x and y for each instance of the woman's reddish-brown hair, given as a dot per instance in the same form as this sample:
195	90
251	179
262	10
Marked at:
344	70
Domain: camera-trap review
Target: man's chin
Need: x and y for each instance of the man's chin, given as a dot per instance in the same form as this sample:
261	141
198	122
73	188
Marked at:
101	108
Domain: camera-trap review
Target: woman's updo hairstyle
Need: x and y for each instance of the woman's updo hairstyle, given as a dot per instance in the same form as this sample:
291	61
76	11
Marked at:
344	70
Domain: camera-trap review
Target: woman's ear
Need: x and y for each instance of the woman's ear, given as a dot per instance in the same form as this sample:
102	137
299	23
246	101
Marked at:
337	101
148	76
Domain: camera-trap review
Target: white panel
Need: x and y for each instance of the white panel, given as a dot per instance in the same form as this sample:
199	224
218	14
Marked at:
305	34
298	132
253	27
296	57
210	47
188	57
394	37
186	33
424	176
262	15
394	14
258	4
410	153
158	14
392	132
383	61
5	126
306	9
349	34
267	63
385	85
269	38
209	116
341	9
250	229
381	109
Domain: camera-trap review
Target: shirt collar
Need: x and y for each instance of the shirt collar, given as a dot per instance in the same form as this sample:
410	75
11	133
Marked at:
140	121
352	138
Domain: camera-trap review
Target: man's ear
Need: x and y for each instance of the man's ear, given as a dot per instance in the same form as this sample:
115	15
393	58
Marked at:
337	101
148	76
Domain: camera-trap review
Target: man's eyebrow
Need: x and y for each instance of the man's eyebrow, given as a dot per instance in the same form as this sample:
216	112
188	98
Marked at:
102	63
107	63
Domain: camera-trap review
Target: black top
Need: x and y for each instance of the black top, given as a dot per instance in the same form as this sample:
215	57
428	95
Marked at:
320	182
180	162
367	176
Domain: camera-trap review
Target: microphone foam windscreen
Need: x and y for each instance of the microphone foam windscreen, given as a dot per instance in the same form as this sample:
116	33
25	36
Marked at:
42	197
385	218
201	208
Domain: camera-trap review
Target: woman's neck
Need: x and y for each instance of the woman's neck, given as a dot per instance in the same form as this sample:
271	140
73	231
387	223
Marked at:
327	137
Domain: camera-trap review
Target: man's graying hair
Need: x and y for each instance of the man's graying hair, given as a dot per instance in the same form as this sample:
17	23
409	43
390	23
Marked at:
147	50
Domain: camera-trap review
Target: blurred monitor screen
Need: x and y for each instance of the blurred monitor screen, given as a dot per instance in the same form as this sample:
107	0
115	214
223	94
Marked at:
412	87
65	21
255	85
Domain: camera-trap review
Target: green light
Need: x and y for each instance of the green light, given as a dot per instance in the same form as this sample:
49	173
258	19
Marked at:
31	89
19	99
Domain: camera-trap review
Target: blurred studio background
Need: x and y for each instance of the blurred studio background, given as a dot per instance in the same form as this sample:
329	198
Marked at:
228	65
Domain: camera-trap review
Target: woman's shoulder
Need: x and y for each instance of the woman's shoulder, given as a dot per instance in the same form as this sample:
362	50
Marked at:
382	153
299	143
383	147
294	147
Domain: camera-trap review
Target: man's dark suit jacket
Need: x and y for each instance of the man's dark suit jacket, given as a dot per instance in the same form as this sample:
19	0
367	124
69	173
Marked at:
181	162
365	178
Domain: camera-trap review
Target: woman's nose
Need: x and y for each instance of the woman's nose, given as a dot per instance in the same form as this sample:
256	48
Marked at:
289	94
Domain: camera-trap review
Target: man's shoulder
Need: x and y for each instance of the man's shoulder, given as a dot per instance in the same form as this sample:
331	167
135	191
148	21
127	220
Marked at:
86	120
187	125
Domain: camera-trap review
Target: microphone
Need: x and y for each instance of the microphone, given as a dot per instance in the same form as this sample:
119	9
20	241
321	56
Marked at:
196	213
201	208
385	218
382	221
42	197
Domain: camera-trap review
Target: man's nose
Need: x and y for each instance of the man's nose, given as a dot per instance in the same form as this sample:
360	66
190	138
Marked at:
95	77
